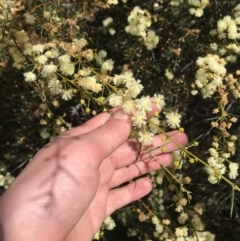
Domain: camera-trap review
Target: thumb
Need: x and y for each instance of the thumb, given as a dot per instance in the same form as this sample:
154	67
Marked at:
104	140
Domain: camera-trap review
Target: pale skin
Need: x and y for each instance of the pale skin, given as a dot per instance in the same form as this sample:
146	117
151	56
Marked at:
69	187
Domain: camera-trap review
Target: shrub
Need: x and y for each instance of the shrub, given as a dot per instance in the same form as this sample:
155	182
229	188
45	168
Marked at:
63	62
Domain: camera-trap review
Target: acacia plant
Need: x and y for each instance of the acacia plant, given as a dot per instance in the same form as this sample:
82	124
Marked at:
64	61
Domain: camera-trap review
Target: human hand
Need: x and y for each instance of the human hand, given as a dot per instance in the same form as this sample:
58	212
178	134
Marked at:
68	189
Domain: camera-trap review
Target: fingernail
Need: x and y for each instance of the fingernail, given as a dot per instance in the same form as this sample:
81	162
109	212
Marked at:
120	114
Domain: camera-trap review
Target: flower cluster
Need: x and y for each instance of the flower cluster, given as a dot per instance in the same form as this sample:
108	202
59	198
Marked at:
151	40
8	9
210	75
56	68
30	18
158	227
233	170
188	216
216	165
139	21
112	2
106	24
156	198
191	216
212	78
99	57
138	108
228	27
176	2
197	7
183	235
218	161
108	224
227	32
6	180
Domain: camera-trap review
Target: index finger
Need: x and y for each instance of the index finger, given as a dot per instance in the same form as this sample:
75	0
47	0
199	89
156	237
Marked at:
130	150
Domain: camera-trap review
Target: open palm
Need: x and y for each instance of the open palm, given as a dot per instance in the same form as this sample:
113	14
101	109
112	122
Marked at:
69	187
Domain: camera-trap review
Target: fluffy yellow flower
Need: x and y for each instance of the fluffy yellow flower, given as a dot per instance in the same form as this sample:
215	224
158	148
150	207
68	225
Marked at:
29	76
173	120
